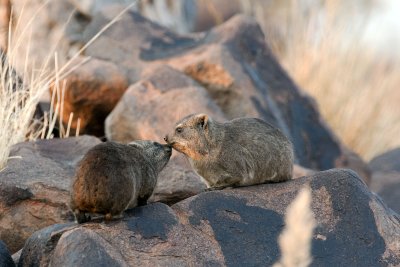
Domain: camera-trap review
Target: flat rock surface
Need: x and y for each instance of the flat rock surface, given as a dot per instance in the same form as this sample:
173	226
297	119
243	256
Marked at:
34	187
234	227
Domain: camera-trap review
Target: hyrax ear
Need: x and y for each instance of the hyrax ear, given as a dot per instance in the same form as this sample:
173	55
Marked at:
202	120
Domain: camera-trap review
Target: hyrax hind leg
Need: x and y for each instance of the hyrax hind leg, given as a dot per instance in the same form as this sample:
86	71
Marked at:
142	201
81	217
110	217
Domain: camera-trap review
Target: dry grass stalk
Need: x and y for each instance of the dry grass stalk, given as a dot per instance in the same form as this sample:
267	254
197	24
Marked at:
295	240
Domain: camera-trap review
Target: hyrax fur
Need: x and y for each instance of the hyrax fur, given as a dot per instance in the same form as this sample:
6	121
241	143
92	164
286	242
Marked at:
240	152
113	177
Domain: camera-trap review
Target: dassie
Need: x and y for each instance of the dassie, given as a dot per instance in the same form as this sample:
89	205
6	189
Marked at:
113	177
240	152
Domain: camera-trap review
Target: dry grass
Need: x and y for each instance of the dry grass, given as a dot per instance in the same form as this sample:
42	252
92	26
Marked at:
295	240
354	86
20	95
17	106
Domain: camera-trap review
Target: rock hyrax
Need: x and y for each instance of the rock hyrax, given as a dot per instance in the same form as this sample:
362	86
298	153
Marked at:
113	177
240	152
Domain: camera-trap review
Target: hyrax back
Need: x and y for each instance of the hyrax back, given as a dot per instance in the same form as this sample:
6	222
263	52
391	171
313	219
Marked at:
113	177
240	152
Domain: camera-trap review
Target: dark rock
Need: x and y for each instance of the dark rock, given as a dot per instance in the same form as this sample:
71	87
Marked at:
92	250
177	182
386	178
354	227
240	227
386	162
387	186
92	90
34	187
5	257
41	242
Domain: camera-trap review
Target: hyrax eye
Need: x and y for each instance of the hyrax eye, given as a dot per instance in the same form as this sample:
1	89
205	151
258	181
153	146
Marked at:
179	130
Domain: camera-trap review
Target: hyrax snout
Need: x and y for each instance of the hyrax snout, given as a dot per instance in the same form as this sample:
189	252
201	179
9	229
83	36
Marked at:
113	177
240	152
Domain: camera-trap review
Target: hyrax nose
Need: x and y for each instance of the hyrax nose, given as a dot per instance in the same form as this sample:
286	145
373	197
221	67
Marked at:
166	138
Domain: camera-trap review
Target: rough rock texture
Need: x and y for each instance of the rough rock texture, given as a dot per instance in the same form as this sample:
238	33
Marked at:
152	106
236	227
386	177
92	90
5	257
34	189
177	181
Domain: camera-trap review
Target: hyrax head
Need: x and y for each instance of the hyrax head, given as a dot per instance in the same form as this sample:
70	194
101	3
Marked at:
158	153
190	136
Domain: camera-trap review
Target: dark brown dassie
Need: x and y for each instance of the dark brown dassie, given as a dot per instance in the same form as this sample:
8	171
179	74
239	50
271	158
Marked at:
240	152
113	177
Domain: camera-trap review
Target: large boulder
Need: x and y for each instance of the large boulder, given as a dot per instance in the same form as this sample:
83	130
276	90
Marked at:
5	257
151	107
386	177
92	89
148	109
34	187
234	227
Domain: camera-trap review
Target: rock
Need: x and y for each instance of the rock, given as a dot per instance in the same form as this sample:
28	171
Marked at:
92	90
41	242
15	257
148	109
387	186
354	227
5	257
299	171
177	182
386	162
34	187
386	177
234	227
152	106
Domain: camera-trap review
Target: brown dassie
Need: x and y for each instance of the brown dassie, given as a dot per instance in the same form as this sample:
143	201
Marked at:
113	177
240	152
